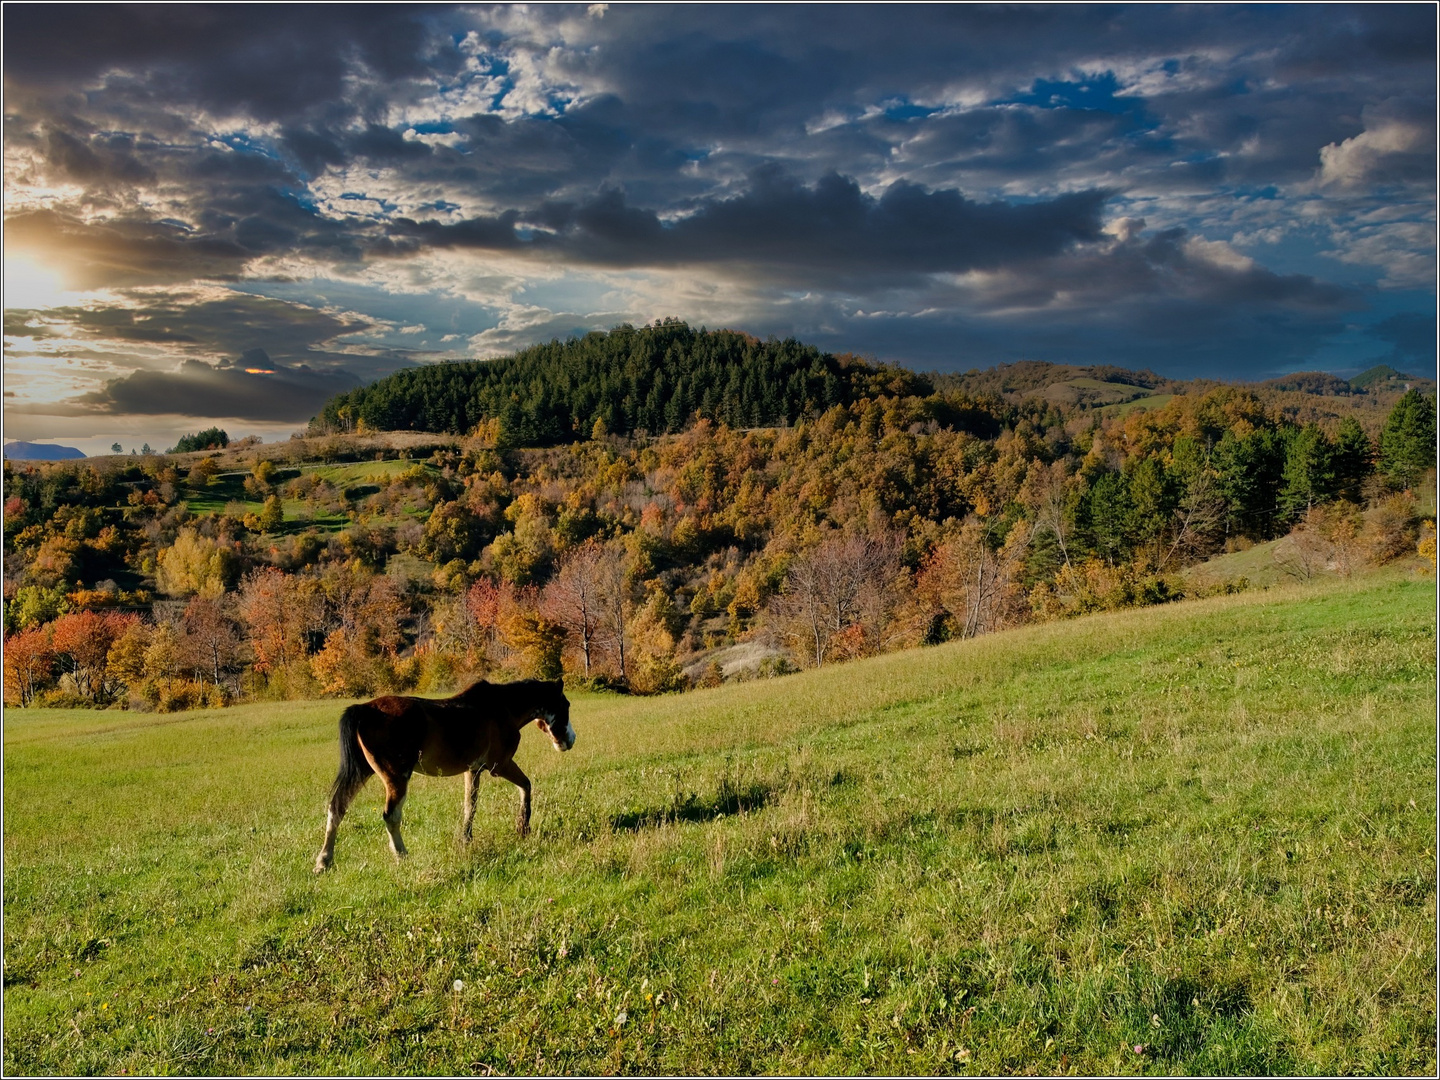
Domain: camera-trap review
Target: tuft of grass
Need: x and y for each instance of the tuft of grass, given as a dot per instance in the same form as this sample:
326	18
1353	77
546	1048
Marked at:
1198	838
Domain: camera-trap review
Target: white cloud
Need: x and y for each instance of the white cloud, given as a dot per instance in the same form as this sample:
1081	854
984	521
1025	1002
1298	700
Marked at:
1383	154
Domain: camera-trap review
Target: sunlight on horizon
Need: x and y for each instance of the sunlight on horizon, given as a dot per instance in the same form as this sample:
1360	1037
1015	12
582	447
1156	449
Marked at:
31	284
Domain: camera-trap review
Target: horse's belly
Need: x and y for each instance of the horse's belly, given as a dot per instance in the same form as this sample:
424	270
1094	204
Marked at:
430	767
437	759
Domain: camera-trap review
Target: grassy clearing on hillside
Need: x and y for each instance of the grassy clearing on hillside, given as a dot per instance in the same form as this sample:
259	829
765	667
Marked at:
1141	404
227	491
1194	839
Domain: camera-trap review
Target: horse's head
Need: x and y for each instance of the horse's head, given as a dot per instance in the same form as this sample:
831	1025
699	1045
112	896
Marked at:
554	716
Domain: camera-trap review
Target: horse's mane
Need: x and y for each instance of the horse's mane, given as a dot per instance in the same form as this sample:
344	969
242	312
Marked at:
481	687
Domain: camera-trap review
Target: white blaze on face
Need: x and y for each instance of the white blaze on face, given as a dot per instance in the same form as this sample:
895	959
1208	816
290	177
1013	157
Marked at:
561	735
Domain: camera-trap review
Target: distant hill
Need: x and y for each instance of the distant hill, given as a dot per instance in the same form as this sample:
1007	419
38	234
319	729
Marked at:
660	378
1383	377
29	451
655	379
1061	384
1313	382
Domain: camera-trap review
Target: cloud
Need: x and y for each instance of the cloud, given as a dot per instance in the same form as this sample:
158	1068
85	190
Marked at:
830	231
252	388
1411	337
1396	149
295	60
963	168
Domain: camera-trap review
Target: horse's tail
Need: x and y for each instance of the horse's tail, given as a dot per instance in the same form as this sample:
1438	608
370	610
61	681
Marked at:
354	766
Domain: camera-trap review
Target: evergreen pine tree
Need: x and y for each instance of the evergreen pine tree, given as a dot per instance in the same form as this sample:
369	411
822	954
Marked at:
1407	442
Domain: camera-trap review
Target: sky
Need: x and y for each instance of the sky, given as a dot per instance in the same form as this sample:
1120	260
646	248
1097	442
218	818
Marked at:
225	215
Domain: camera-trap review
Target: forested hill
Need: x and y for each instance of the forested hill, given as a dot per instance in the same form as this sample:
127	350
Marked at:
656	379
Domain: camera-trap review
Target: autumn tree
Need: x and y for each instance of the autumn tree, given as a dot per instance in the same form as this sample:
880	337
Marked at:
82	641
272	514
536	643
970	583
281	611
125	660
1046	497
29	664
366	616
196	564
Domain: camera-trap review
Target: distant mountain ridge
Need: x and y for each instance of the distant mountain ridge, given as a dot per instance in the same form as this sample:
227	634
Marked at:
29	451
660	378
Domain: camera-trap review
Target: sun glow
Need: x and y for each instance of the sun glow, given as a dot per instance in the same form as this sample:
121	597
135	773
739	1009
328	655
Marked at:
31	284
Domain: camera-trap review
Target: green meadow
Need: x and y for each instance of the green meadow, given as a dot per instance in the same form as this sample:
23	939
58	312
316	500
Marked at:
1191	839
226	492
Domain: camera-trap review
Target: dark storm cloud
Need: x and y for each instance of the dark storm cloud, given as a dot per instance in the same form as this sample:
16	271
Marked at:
855	150
229	324
831	230
1411	337
273	62
255	388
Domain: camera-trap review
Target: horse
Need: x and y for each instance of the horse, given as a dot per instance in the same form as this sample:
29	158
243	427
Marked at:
474	731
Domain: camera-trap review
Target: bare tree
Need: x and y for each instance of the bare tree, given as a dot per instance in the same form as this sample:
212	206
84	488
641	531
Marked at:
573	597
212	639
1196	520
971	582
1044	494
616	603
844	582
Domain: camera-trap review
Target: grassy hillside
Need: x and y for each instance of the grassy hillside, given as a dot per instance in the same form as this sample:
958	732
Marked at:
1195	839
226	492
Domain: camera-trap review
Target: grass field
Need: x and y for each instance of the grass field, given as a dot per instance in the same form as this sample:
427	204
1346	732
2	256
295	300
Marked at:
1190	839
1141	404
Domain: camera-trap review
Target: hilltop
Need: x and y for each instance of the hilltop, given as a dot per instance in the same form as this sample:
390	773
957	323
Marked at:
656	379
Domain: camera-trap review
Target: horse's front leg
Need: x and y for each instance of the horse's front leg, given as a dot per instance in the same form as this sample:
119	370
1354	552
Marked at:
467	809
508	770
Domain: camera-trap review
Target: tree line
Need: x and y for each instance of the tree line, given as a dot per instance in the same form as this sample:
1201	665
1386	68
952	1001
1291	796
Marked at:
650	563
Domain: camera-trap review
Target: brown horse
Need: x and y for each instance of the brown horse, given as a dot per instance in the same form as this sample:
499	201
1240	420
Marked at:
474	731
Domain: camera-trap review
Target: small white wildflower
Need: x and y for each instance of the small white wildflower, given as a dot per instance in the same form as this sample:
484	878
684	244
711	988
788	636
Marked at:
459	985
620	1019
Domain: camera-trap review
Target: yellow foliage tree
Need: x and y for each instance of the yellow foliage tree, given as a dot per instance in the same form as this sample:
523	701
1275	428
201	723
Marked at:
196	564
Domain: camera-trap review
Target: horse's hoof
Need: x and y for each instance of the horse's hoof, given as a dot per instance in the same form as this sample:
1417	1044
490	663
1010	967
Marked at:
321	867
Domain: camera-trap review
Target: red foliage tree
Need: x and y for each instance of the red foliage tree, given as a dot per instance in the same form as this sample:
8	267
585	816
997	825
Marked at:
82	642
29	664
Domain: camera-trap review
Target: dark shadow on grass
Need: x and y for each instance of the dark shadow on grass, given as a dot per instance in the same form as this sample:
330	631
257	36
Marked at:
691	809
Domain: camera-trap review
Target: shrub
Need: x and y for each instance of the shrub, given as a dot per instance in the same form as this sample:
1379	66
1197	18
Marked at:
1391	528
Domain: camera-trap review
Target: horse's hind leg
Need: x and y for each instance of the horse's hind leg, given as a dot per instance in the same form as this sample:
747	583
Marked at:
394	804
355	769
340	800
